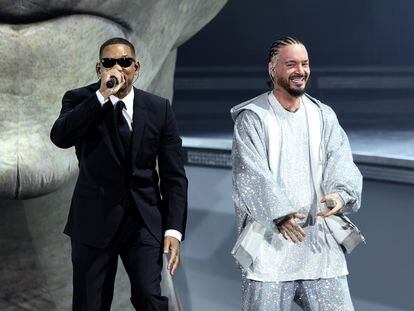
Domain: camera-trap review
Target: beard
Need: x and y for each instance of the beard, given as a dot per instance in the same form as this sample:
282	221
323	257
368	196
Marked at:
295	92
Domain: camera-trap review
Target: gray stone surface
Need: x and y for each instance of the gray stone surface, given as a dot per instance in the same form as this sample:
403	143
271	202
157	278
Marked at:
164	83
36	270
41	60
35	254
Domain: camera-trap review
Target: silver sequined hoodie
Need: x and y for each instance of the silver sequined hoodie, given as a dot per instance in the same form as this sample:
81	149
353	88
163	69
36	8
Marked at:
259	197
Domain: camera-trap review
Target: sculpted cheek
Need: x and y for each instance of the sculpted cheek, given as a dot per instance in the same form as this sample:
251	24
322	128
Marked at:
40	61
34	78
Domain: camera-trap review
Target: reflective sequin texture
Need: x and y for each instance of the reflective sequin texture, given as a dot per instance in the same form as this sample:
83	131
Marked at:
322	295
263	196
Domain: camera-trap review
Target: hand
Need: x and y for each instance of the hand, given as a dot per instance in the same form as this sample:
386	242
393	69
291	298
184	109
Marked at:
172	247
331	211
105	76
291	230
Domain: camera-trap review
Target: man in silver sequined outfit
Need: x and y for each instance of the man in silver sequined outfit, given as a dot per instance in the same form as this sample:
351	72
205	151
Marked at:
290	158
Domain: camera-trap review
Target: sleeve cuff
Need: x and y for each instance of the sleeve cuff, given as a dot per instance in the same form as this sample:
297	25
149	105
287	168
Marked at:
346	198
174	233
101	99
279	220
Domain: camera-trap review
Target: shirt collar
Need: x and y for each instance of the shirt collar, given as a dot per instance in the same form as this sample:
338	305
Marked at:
128	101
279	108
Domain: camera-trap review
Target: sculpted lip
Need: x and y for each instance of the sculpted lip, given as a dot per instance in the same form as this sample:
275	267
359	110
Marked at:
40	16
50	47
22	175
30	164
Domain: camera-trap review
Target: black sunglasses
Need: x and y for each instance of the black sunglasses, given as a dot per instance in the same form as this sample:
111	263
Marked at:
123	62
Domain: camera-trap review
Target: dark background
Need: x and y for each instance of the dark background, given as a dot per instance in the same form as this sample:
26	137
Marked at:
360	54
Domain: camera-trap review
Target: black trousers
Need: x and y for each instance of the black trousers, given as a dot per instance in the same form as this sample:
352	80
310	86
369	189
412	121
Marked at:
94	269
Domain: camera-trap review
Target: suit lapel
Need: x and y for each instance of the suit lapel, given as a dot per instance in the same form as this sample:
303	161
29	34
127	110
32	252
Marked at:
138	122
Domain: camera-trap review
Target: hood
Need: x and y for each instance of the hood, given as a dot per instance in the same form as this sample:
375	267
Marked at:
256	102
260	104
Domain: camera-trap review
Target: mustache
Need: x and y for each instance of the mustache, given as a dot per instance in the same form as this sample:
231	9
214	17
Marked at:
305	76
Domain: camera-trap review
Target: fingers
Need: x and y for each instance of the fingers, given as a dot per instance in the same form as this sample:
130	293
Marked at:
106	75
291	230
173	254
331	211
167	243
328	212
175	262
120	77
301	232
287	232
300	216
284	233
324	213
298	229
172	246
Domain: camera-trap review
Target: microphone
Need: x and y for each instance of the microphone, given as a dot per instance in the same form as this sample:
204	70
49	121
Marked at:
111	82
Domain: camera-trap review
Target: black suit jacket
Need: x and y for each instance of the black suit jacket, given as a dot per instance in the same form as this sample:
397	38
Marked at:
108	179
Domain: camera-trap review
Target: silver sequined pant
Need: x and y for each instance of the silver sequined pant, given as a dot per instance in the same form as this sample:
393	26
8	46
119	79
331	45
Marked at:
316	295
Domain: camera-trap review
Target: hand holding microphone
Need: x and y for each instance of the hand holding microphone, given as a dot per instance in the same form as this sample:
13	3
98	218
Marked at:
333	203
111	82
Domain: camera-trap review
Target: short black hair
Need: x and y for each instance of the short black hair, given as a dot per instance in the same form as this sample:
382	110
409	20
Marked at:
116	40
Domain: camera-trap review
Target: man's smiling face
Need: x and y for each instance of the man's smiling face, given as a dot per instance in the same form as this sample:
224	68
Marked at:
292	69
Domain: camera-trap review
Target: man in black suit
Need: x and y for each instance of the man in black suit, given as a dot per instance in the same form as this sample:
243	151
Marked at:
120	205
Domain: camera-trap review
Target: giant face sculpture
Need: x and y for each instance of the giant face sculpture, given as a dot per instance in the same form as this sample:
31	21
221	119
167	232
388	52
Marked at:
49	47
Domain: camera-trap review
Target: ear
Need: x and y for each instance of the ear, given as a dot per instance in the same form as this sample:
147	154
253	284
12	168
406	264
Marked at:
271	68
98	69
137	66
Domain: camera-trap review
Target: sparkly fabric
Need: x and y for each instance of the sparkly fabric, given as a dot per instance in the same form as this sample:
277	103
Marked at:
294	163
260	196
322	295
